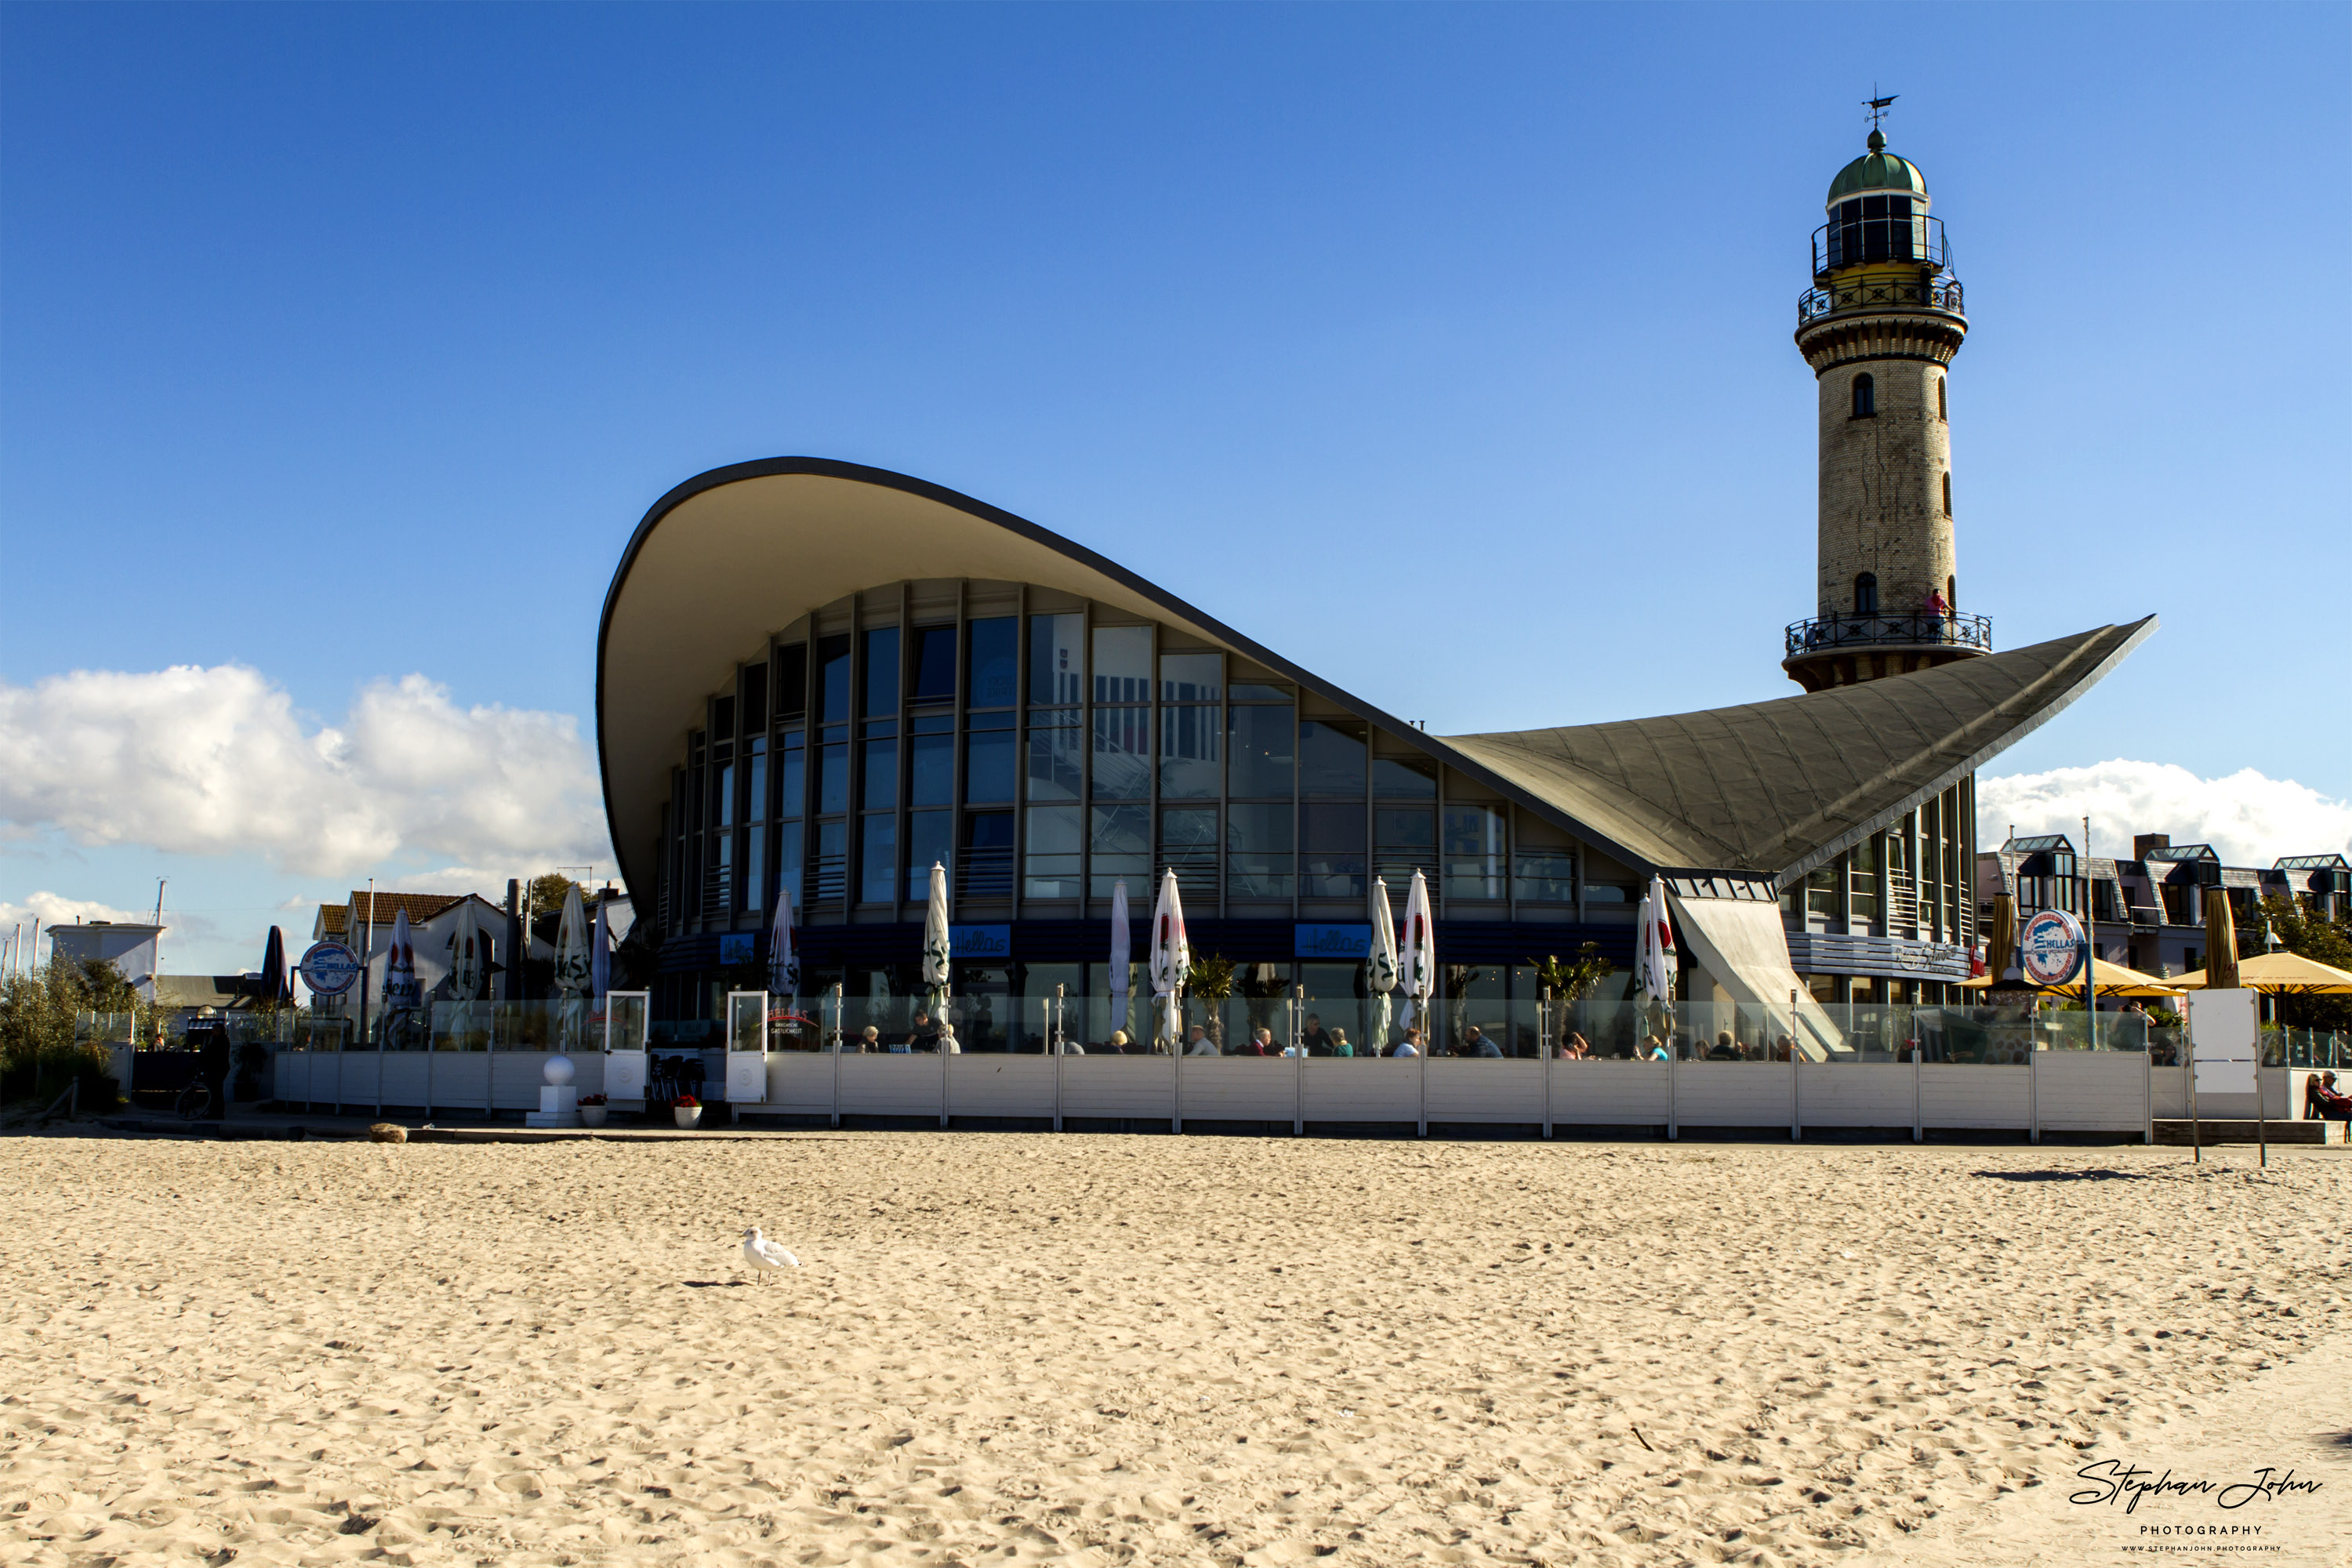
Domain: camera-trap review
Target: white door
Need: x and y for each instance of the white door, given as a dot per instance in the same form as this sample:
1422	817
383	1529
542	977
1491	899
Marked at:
625	1015
747	1047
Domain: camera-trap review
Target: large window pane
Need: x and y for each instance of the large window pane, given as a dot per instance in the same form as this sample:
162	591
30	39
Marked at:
723	811
755	788
1473	849
755	868
1330	759
1331	851
988	767
877	859
1408	830
986	870
931	841
932	665
1190	748
1260	743
791	852
1056	754
1057	659
1119	837
1188	846
1122	664
930	774
1404	778
789	678
1050	860
833	779
995	678
881	791
792	778
833	679
1122	761
829	874
1191	676
1258	851
1544	876
881	674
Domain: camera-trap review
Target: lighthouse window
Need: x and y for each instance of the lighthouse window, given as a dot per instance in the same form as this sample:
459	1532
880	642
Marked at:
1866	593
1948	495
1940	413
1875	228
1865	397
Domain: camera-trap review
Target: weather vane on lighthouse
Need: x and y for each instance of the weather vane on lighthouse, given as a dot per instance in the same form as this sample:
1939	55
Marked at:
1878	106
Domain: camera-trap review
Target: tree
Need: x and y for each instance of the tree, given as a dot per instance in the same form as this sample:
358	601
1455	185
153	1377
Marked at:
1574	981
547	892
1212	981
38	1052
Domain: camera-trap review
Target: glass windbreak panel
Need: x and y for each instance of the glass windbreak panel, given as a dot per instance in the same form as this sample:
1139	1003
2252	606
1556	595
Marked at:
1122	664
833	679
1472	851
880	677
881	790
1544	876
755	865
725	792
1331	851
830	874
1191	676
1404	778
986	871
993	679
791	776
1331	759
931	841
988	762
1057	659
877	859
833	779
930	665
1260	743
1188	846
931	769
1056	754
1258	851
1049	868
755	789
747	1021
1122	748
1119	837
1189	751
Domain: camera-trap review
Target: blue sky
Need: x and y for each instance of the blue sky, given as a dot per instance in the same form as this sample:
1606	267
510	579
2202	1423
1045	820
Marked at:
347	343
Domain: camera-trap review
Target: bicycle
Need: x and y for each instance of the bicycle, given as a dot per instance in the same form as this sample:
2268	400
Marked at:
197	1102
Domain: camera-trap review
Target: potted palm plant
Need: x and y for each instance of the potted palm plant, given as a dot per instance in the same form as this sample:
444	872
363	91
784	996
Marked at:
687	1110
592	1111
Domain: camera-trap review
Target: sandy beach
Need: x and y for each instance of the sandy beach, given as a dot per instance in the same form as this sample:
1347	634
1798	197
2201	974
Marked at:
1107	1350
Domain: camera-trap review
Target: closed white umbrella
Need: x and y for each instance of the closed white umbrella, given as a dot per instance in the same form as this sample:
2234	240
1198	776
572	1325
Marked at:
783	960
574	970
934	944
1419	964
467	951
1120	936
1654	952
1380	968
1171	960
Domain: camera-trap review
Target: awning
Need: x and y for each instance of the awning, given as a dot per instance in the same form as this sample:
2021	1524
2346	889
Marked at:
2112	980
1741	944
2279	974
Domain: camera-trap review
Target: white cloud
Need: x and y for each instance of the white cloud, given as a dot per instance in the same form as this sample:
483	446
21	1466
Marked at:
215	761
2248	818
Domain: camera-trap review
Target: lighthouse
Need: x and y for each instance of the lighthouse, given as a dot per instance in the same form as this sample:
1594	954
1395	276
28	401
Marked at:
1880	325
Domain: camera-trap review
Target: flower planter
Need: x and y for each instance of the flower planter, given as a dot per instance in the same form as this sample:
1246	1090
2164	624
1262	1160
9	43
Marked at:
592	1115
687	1115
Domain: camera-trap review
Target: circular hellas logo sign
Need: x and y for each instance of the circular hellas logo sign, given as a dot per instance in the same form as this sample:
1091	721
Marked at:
329	968
2050	950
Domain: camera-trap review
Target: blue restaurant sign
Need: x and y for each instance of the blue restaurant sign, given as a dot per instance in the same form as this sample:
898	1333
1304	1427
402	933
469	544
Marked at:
736	949
980	941
1335	942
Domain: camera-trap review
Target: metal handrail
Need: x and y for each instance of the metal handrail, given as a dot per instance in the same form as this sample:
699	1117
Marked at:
1909	238
1826	632
1866	294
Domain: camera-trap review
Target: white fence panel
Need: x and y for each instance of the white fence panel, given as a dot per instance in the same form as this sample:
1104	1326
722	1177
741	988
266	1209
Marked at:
1126	1087
1609	1094
998	1084
459	1079
1854	1094
891	1085
1351	1089
1238	1088
800	1083
1729	1094
1965	1095
1487	1090
2093	1091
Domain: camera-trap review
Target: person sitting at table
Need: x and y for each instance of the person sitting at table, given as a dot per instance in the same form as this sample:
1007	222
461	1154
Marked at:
1410	1045
948	1045
2321	1101
1198	1044
1474	1043
870	1039
1318	1043
1725	1051
1256	1043
1576	1047
1119	1042
925	1036
1340	1046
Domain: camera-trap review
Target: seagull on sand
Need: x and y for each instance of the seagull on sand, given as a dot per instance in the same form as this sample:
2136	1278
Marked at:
763	1255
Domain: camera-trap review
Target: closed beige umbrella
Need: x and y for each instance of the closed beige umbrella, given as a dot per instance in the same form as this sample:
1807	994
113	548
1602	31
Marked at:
2221	942
2000	939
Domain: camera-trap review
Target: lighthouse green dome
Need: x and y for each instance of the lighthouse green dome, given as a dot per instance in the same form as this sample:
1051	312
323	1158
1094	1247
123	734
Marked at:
1877	169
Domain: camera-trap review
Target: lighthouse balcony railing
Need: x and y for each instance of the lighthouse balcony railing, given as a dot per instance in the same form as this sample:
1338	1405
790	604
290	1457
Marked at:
1880	293
1925	629
1896	238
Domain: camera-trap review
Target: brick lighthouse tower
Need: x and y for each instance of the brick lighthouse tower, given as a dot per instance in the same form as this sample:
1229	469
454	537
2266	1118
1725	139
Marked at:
1880	326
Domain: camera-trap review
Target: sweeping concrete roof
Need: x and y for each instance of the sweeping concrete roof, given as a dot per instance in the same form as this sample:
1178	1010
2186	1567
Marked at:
734	554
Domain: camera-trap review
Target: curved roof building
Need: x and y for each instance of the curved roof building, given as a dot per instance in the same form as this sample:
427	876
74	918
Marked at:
817	680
